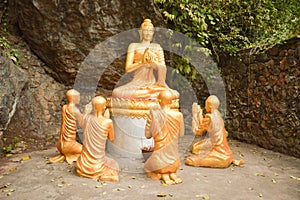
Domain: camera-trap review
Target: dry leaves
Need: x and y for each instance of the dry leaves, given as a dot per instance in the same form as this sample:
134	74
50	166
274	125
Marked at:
26	158
295	178
161	195
206	197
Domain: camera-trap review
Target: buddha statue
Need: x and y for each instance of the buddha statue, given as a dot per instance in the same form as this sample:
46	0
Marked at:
130	103
165	126
212	151
67	145
142	59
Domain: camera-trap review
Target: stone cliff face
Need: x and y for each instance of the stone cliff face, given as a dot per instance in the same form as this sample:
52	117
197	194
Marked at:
62	33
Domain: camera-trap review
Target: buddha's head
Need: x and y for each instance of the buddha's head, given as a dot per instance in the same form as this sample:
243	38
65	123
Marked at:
99	104
146	30
73	96
211	103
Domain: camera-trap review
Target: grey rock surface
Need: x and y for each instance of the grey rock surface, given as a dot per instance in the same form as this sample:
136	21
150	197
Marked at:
62	33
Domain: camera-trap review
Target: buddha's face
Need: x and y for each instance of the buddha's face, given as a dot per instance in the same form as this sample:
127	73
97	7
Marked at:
147	33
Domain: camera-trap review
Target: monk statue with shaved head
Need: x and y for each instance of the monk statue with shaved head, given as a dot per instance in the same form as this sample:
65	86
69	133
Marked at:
97	128
165	125
67	145
213	150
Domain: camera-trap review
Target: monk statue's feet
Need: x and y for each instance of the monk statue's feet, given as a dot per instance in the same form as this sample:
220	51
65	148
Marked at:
166	179
175	178
154	176
109	178
58	158
189	161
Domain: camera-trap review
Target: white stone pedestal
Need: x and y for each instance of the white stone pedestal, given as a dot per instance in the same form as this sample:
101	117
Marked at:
129	137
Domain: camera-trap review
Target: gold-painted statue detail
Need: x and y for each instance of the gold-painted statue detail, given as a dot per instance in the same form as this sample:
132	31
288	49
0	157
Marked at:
67	145
142	59
165	126
97	128
213	151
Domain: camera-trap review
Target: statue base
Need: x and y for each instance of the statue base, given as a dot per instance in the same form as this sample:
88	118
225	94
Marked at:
129	118
129	137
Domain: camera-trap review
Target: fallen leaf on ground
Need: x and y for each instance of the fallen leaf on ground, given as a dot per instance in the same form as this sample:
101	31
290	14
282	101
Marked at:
206	197
6	185
161	195
12	169
26	158
119	189
260	195
296	178
274	181
8	192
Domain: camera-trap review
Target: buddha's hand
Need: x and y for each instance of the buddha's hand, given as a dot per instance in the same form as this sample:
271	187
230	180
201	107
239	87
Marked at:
149	56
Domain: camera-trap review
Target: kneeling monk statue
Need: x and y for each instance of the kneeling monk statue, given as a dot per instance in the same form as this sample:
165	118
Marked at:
165	126
214	150
92	162
67	145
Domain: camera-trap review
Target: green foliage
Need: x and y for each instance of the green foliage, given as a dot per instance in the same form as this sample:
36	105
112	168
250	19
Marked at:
8	50
7	149
234	25
5	46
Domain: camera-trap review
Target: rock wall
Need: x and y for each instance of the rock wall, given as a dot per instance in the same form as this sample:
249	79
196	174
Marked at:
62	33
30	102
263	97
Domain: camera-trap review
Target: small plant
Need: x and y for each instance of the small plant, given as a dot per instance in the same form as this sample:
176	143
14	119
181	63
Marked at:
7	149
10	52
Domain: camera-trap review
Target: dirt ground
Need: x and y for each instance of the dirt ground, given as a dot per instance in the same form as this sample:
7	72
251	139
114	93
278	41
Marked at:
265	175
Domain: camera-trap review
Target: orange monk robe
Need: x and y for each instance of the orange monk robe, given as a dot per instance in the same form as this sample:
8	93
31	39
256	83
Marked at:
213	151
165	128
93	162
67	144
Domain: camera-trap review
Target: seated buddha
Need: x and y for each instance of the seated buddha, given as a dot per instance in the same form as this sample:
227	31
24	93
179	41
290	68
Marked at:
142	59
